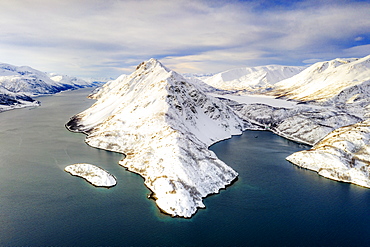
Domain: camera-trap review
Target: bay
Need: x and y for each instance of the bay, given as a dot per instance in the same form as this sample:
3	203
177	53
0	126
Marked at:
273	203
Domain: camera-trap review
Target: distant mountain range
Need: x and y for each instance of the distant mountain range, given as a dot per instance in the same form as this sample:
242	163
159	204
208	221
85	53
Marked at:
251	79
19	84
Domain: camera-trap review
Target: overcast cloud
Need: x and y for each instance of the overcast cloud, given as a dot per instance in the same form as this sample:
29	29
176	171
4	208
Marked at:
110	37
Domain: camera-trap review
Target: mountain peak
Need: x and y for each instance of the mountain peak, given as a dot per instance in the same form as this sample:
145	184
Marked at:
164	125
150	64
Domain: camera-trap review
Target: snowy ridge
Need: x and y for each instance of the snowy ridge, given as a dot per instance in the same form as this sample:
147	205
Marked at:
164	125
93	174
343	155
323	81
252	78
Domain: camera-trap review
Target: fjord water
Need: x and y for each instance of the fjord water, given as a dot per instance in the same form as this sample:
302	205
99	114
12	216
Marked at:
273	203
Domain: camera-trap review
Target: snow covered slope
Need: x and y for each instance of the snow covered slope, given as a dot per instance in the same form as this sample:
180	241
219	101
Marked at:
252	78
164	125
343	155
324	81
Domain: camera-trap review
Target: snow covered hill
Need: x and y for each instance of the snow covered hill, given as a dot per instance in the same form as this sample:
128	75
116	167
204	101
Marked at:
19	83
164	125
251	79
343	155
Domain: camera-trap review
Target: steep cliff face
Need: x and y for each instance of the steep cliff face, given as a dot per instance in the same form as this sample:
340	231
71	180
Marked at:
343	155
164	125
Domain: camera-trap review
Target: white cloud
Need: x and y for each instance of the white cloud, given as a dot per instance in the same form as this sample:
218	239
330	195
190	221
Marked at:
96	37
312	60
358	51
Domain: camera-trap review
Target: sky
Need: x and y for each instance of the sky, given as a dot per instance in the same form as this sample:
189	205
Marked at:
107	38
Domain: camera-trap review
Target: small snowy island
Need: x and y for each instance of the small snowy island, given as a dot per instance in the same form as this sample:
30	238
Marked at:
93	174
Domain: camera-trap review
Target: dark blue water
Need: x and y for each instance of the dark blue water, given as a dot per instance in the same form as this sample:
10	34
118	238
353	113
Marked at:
273	203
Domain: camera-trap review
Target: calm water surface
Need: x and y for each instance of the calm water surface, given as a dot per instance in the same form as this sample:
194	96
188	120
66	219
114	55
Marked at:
273	203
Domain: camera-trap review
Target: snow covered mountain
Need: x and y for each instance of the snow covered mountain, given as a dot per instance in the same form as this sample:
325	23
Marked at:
251	79
164	125
19	83
335	80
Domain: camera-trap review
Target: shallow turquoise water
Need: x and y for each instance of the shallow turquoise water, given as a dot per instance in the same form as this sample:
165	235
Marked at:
273	203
